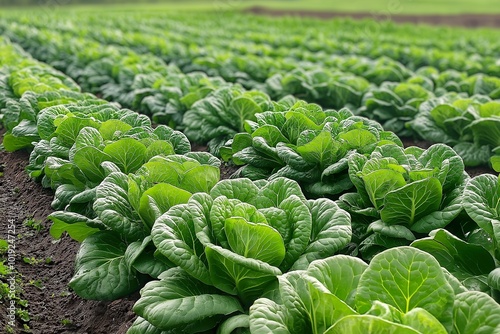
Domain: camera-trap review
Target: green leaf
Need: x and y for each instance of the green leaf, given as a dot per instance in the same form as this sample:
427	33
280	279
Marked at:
89	160
317	306
442	113
273	193
159	147
271	134
152	263
331	231
368	324
111	126
68	130
358	138
298	230
238	275
77	231
472	154
241	321
460	258
243	189
408	204
113	208
159	199
494	279
175	237
423	321
141	326
200	179
296	122
406	278
322	150
89	137
255	241
242	109
495	162
486	131
380	182
447	161
181	303
101	272
475	312
481	201
340	274
266	316
392	231
127	153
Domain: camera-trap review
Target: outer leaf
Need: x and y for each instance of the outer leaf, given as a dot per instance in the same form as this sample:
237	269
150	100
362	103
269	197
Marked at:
331	231
423	321
475	312
101	272
243	189
237	322
406	278
180	302
319	308
368	324
462	259
481	200
267	317
379	183
175	237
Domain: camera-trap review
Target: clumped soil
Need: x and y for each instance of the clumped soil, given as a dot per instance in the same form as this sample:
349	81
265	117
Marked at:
460	20
53	308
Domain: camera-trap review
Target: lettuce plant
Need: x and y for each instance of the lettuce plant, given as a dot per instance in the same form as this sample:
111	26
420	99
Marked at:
481	197
471	125
375	71
21	114
222	114
117	255
481	84
327	88
306	144
402	290
393	104
166	99
76	139
231	245
403	194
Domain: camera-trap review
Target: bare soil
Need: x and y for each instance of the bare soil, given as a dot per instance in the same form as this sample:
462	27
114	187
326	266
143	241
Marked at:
461	20
52	307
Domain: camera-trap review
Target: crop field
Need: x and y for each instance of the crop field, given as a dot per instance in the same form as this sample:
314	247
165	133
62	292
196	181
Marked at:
220	172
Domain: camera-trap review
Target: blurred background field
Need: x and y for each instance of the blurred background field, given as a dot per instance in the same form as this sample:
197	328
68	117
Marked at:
381	7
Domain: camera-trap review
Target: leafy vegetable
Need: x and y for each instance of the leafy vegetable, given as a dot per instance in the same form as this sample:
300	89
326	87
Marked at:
306	144
403	194
244	234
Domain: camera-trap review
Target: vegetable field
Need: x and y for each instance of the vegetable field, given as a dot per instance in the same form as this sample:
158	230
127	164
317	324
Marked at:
218	172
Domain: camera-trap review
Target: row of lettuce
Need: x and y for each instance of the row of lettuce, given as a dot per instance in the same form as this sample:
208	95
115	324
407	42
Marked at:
455	108
257	256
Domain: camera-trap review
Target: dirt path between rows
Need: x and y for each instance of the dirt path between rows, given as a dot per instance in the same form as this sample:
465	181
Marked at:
461	20
52	307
